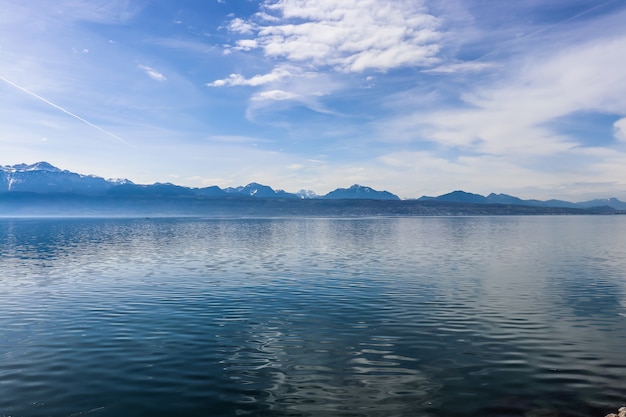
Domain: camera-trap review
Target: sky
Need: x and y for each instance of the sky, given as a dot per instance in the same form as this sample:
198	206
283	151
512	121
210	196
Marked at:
417	97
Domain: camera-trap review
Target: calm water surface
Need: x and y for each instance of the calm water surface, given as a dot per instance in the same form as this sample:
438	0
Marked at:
484	316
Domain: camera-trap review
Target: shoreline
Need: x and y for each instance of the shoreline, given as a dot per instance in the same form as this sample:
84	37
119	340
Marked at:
621	412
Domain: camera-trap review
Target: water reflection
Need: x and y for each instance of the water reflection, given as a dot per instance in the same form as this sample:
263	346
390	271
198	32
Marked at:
334	368
357	317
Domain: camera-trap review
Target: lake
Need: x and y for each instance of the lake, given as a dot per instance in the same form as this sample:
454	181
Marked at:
424	316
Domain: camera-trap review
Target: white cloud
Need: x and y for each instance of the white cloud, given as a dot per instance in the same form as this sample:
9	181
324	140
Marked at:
152	73
506	128
246	45
232	79
513	114
351	36
306	38
238	25
277	74
619	129
277	95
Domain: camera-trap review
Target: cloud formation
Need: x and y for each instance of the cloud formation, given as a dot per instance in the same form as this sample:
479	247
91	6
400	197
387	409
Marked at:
309	41
349	36
514	113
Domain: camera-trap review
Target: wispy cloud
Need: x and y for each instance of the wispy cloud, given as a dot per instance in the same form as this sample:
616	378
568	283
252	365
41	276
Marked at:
152	73
278	95
512	110
194	46
232	139
504	125
99	11
461	67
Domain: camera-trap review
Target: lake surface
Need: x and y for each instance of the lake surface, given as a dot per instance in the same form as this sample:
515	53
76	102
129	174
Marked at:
448	316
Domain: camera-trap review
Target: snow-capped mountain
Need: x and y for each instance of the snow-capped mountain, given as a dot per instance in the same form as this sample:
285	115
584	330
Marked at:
43	177
38	166
304	194
259	191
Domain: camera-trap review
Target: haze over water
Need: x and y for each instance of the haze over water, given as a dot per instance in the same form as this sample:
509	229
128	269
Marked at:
464	316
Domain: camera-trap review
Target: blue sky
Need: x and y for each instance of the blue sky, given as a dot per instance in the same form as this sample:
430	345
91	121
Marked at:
417	97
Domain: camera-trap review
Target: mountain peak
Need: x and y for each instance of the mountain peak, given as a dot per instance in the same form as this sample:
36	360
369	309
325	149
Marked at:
37	166
357	191
257	190
458	196
43	177
306	194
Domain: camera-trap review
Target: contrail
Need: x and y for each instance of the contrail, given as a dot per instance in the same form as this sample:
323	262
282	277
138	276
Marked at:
56	106
548	28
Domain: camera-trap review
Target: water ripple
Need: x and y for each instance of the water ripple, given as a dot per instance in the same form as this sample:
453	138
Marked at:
313	317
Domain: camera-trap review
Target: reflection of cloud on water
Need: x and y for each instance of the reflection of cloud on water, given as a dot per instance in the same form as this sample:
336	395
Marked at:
318	373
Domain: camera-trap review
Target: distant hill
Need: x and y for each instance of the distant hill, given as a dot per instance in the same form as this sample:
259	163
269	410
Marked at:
360	192
212	191
18	204
611	202
155	190
465	197
457	197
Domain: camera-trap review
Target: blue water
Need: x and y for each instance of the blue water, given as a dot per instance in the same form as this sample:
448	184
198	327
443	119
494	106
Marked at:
464	316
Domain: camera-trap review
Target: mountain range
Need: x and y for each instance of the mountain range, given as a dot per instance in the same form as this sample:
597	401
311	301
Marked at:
44	178
42	189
